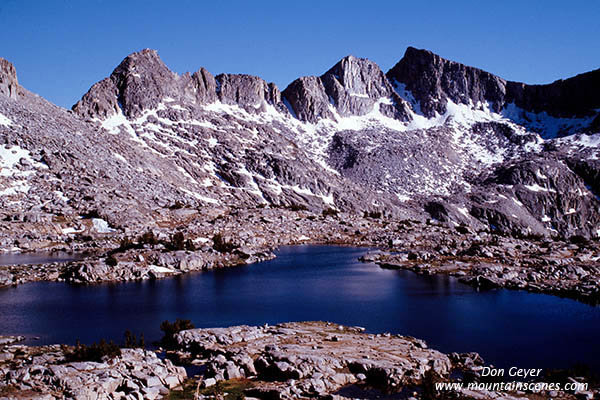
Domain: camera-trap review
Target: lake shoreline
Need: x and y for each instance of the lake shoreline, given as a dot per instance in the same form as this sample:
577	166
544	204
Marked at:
311	282
483	259
285	361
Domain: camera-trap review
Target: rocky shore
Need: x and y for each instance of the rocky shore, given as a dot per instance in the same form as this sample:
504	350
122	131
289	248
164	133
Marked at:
566	268
297	360
301	360
223	238
30	372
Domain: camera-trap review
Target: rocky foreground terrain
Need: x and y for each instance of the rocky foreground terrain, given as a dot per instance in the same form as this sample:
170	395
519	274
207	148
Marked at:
28	372
298	360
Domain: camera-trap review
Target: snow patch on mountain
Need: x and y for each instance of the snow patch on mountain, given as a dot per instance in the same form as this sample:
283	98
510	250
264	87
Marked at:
17	163
10	157
18	186
547	126
5	121
406	95
581	140
113	123
101	226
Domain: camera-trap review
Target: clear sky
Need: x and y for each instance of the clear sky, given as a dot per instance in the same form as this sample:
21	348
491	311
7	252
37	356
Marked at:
61	47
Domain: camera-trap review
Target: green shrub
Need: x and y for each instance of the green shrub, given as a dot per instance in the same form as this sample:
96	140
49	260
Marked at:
91	214
189	245
131	341
578	239
178	241
148	238
176	206
462	229
171	329
111	261
330	212
372	214
126	244
94	352
221	245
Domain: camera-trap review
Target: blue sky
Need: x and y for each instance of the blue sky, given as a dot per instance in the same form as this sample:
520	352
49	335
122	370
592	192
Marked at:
61	47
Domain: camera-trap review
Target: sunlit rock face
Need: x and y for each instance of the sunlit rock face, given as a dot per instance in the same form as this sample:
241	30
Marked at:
431	138
8	79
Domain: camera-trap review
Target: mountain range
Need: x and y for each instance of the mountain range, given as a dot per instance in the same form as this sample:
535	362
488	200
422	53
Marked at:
430	139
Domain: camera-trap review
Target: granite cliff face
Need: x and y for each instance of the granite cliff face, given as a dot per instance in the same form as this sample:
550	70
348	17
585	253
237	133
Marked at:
8	79
433	81
573	97
430	139
352	87
142	81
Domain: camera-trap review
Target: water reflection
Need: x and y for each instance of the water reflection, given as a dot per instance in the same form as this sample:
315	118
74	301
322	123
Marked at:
39	257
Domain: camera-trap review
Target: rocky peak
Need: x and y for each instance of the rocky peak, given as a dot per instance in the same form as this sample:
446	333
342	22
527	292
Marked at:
142	81
249	92
356	84
139	82
432	80
353	86
101	101
202	87
308	99
8	79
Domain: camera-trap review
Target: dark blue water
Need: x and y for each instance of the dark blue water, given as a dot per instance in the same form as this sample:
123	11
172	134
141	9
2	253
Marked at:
39	257
509	328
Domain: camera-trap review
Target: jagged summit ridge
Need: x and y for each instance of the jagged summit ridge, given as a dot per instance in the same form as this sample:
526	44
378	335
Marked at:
142	81
352	87
572	97
250	92
433	81
421	84
354	139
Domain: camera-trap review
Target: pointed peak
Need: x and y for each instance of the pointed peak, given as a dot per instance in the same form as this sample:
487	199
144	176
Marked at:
423	56
433	80
351	68
413	51
138	83
141	62
350	58
350	61
8	79
7	68
353	86
145	54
